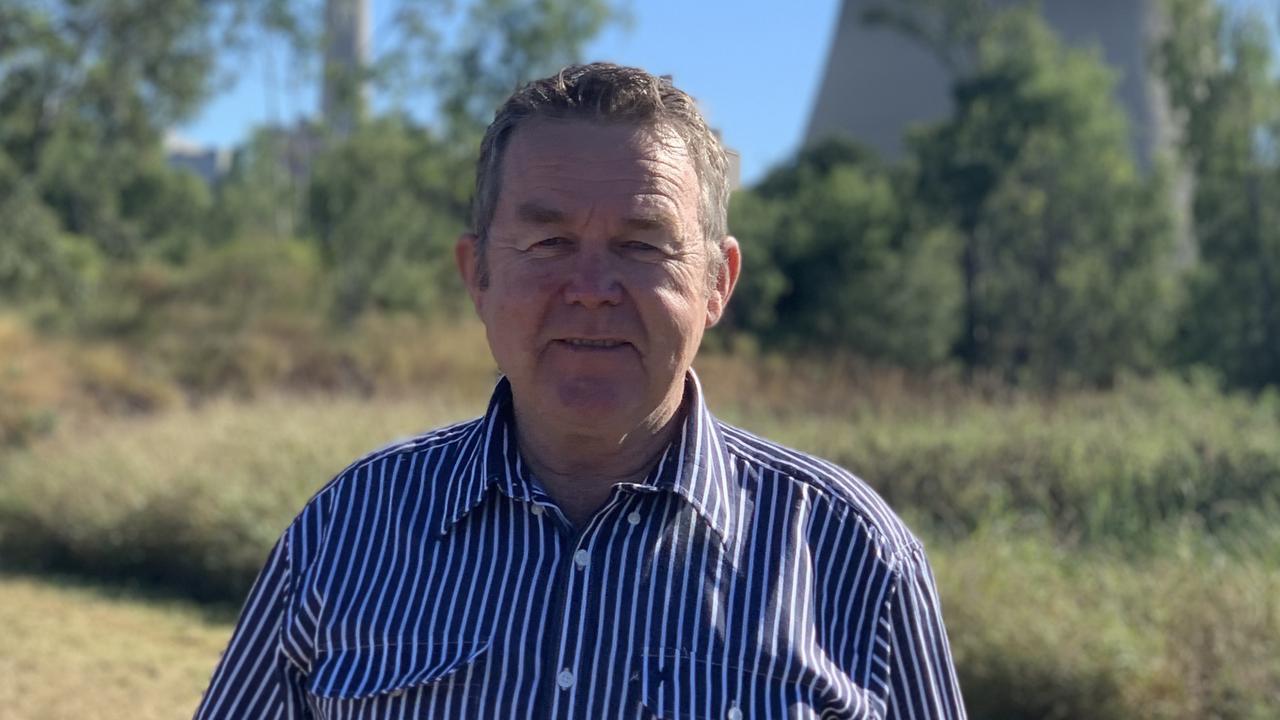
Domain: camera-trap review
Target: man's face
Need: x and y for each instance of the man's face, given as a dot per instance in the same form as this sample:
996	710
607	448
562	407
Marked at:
598	290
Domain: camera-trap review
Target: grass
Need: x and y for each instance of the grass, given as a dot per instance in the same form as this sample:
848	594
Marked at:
194	498
1039	631
73	651
1100	554
1090	467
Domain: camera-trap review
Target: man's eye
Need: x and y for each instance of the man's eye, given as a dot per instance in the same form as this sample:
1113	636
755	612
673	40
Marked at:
549	243
642	247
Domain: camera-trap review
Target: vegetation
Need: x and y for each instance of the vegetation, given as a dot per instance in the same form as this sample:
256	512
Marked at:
75	651
191	500
1223	83
1122	470
1017	238
1000	331
1108	555
1038	631
835	258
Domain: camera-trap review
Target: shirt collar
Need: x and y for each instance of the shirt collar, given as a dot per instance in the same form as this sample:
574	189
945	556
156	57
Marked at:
694	466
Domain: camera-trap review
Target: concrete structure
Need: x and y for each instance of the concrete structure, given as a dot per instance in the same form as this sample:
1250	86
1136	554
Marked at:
877	83
346	55
210	163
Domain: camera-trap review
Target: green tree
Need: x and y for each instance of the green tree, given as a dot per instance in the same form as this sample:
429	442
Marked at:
86	90
836	258
1066	249
40	265
385	206
385	201
264	192
1222	82
504	43
455	60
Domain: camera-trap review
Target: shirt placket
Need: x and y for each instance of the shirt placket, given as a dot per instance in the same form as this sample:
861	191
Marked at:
577	577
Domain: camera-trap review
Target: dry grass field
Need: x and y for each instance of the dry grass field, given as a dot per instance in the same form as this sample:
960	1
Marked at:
72	651
1102	554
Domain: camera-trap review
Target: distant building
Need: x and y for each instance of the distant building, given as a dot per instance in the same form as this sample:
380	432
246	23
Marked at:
878	83
210	163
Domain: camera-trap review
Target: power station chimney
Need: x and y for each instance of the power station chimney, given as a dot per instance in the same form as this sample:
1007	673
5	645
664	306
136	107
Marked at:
346	57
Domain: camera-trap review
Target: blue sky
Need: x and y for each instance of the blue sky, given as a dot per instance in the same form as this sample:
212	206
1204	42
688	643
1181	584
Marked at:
753	65
723	53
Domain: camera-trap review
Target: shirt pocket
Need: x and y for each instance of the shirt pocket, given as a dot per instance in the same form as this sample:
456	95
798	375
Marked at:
680	685
374	680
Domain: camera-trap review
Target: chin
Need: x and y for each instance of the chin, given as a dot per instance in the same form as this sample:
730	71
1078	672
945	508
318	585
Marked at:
599	403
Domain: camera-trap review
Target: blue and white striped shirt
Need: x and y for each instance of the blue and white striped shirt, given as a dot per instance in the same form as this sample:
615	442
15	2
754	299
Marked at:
741	579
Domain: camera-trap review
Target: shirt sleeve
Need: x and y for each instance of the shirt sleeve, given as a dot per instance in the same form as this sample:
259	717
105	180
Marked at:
255	678
923	684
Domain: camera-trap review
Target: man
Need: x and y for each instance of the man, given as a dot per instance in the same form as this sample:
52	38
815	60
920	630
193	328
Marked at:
597	545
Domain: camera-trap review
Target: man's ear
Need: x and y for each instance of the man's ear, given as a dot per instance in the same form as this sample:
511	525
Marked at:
726	279
470	266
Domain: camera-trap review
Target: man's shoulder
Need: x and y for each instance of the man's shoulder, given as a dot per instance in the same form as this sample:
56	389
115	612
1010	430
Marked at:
848	494
428	448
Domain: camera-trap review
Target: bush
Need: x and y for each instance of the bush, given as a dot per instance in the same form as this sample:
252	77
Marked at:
41	267
193	499
33	383
1038	632
834	259
385	207
1090	467
251	316
1090	551
234	319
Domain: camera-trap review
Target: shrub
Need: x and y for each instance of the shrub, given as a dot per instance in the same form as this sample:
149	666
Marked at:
834	258
33	382
1039	632
1092	467
192	499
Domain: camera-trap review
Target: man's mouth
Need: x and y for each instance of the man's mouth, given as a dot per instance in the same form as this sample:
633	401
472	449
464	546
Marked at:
602	343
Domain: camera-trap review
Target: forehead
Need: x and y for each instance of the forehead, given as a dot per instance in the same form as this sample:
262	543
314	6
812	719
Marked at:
568	162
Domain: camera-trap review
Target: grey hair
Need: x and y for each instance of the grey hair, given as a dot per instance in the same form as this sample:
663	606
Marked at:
604	92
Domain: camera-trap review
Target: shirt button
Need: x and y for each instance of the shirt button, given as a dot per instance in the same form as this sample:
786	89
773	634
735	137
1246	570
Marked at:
536	510
634	518
734	714
565	680
581	558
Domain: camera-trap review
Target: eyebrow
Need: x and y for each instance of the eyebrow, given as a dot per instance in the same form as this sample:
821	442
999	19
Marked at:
650	223
532	212
539	214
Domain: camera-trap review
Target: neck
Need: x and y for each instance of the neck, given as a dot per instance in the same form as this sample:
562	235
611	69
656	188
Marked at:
578	468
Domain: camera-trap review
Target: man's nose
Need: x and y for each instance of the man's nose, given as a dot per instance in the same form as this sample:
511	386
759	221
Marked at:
593	280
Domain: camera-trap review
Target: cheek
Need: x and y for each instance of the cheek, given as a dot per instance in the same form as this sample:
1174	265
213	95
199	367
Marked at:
523	291
680	314
516	313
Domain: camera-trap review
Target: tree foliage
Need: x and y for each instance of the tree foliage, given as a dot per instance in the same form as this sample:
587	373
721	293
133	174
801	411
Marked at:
1066	248
384	202
384	208
1018	236
39	263
86	91
456	60
1222	81
836	259
505	43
